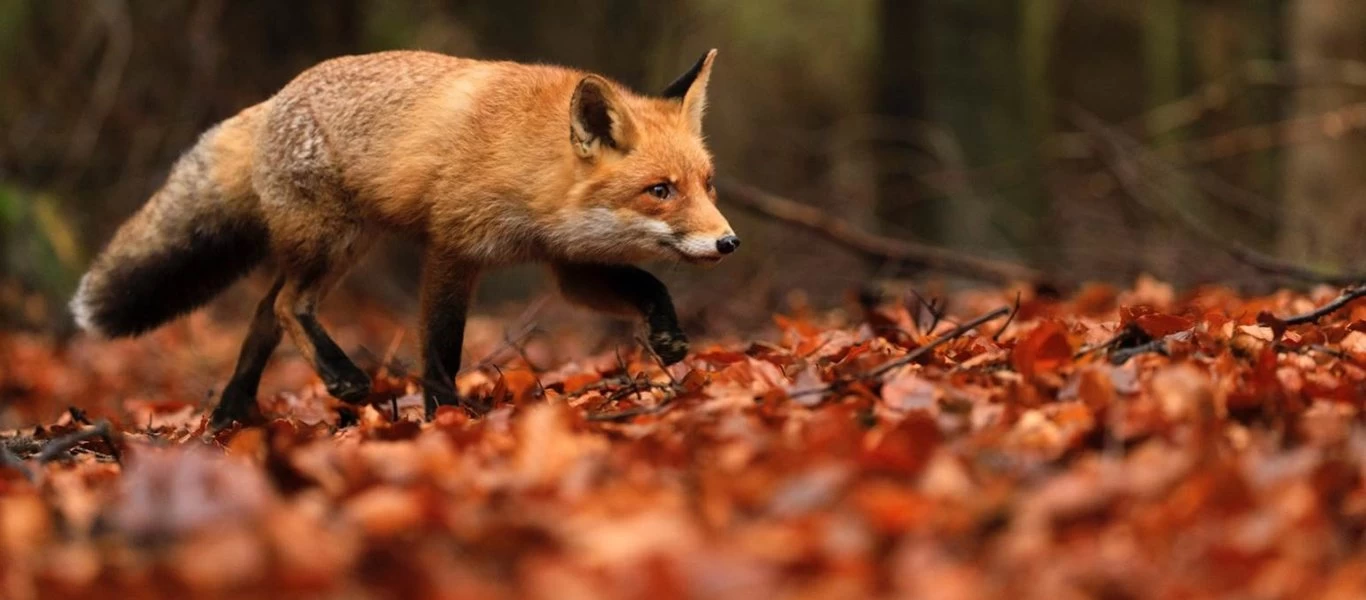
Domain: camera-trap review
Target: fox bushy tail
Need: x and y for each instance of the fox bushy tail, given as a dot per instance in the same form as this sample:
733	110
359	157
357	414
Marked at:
198	234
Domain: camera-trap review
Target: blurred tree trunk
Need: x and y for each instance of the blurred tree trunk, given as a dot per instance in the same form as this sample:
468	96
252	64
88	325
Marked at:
1099	44
1324	218
1163	62
627	40
901	100
1222	36
1038	32
279	39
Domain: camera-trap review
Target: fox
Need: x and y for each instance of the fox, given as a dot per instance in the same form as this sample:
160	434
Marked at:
483	163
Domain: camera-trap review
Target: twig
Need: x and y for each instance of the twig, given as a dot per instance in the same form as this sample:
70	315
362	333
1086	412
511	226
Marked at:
9	459
59	446
56	447
911	356
844	233
628	413
389	354
952	334
1009	320
936	311
1333	352
626	372
633	386
1337	304
520	348
636	387
1123	355
509	341
659	361
1130	333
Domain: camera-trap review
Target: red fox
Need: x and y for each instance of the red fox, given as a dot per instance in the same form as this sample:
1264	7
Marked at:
485	163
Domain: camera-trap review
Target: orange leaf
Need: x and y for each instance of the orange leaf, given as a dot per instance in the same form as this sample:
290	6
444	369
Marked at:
1160	325
1045	349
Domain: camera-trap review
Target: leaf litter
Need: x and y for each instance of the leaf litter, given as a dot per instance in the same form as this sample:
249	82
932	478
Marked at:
1124	443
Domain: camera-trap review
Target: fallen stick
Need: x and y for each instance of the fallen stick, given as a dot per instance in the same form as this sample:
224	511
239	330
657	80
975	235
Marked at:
868	244
56	448
911	356
1337	304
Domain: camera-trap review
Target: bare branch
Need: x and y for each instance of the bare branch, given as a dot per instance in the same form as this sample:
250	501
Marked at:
1337	304
911	356
844	233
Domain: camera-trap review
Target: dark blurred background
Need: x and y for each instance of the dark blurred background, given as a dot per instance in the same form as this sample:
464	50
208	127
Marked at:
1092	140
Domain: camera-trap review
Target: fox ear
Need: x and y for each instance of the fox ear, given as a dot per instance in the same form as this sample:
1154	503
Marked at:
598	119
691	89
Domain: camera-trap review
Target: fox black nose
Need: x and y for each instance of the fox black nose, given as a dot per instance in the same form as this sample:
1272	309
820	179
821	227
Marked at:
727	244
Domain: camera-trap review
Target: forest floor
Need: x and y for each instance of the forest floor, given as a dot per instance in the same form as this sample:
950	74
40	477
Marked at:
1132	443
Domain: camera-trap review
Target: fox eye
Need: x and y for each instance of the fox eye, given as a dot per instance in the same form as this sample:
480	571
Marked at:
711	183
663	191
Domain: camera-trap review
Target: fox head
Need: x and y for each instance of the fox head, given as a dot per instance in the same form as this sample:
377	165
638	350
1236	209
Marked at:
644	178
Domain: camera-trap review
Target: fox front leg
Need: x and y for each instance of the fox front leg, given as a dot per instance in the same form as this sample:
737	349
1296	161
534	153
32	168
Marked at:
631	291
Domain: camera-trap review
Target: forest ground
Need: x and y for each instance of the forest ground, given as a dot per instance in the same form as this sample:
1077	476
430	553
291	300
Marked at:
1118	443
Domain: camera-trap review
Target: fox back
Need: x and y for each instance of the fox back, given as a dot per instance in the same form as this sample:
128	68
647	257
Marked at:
501	162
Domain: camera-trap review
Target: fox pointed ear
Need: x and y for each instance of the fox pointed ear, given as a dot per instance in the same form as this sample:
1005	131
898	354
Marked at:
598	119
691	89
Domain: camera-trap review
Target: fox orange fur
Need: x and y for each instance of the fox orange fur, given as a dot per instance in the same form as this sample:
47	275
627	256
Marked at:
485	163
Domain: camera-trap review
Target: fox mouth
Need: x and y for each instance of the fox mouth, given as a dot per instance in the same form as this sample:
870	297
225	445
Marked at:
697	259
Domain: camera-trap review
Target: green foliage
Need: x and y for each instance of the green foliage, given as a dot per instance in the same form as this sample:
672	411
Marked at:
38	242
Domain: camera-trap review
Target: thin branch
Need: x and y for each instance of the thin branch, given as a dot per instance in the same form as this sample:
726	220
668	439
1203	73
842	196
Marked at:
9	459
55	448
950	335
1009	320
844	233
1121	356
1115	340
658	361
629	413
911	356
1337	304
935	309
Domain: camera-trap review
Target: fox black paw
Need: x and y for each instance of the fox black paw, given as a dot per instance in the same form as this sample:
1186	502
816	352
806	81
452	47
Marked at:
352	387
670	346
234	408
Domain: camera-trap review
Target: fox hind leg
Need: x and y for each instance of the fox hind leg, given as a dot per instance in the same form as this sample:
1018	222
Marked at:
312	263
447	289
296	308
315	236
238	402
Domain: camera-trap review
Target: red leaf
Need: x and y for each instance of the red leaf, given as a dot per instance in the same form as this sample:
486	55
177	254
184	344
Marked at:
1043	350
1160	325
